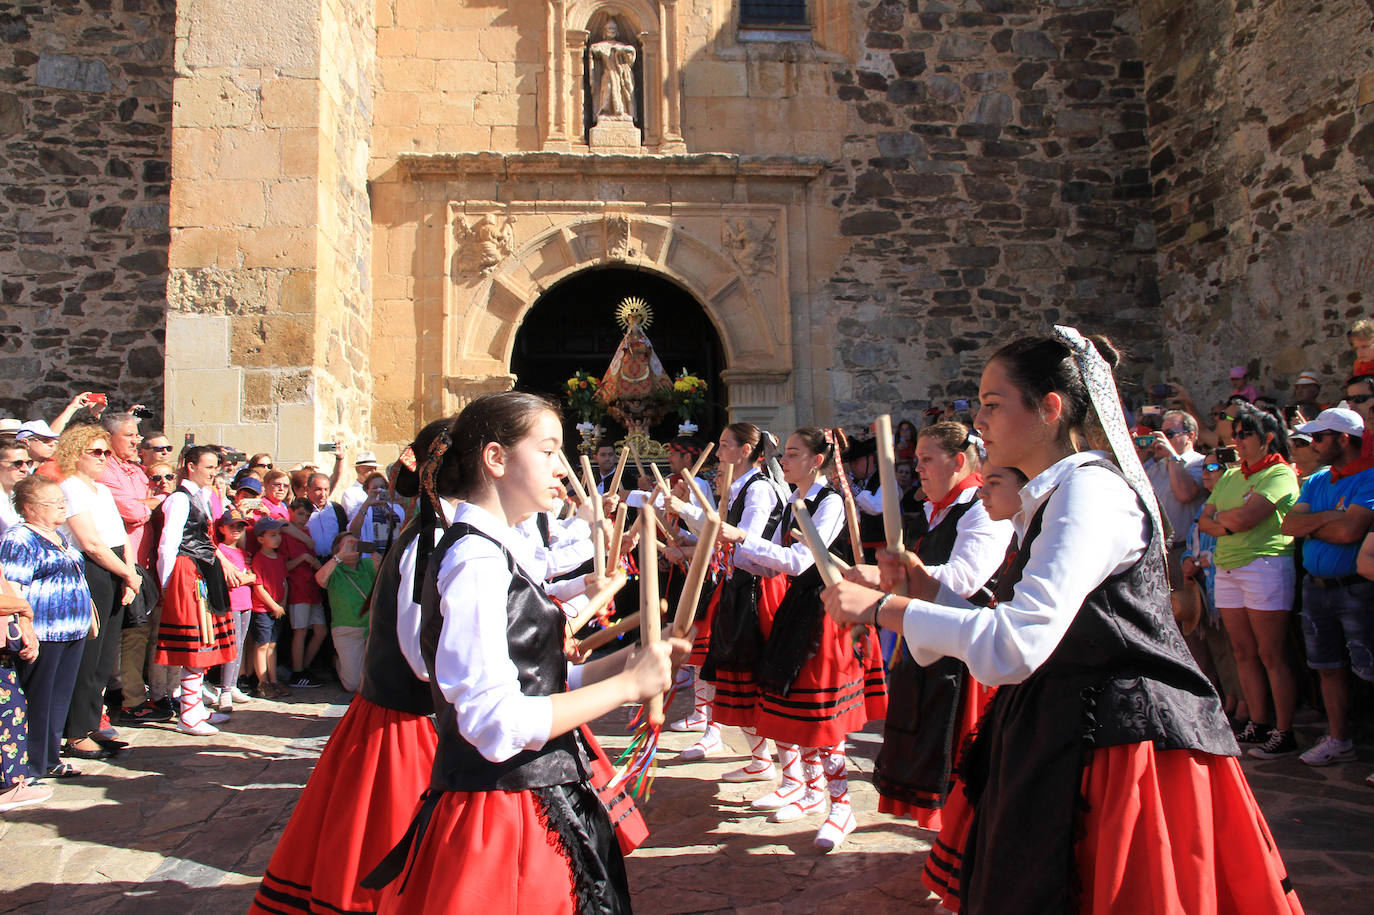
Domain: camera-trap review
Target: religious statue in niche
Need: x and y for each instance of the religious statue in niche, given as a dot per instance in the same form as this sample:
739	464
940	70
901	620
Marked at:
484	244
613	77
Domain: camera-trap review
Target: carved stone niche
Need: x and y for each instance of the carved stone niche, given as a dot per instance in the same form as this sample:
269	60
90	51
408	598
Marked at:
570	111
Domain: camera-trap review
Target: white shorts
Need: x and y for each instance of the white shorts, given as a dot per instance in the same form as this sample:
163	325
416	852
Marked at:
1265	583
303	616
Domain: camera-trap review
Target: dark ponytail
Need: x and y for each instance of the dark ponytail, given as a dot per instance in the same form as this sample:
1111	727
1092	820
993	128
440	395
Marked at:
1043	365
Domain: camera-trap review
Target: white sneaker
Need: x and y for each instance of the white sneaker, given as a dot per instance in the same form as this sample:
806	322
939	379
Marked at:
692	722
710	744
204	729
210	696
240	696
752	772
780	797
1329	751
839	824
809	803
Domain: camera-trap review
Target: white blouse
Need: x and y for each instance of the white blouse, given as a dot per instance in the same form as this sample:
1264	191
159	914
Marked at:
176	509
407	610
1093	527
472	665
759	504
797	557
979	547
99	503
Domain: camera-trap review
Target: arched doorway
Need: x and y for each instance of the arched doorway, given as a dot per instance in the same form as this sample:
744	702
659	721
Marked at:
572	326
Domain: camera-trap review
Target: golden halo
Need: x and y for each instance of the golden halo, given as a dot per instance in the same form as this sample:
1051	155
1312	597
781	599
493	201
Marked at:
634	311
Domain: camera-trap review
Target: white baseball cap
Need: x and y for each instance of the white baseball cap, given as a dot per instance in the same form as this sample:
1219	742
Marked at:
36	428
1335	419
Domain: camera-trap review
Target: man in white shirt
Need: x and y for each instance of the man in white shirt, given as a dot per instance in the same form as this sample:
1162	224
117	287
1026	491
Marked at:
328	520
354	496
14	466
1175	474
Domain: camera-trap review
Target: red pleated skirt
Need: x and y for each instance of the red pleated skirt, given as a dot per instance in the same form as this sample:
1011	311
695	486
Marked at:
972	704
630	829
485	852
1168	832
357	805
702	641
178	635
835	693
737	693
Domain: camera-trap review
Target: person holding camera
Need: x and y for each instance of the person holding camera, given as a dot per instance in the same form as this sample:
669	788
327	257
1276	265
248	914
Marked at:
1176	478
379	519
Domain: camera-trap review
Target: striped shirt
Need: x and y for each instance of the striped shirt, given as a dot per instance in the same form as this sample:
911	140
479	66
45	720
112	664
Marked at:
51	579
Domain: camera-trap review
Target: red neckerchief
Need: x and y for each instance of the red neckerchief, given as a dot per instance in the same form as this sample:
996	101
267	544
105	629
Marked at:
1264	463
968	482
1359	465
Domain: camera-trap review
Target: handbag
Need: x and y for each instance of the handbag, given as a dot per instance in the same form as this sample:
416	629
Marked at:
1188	602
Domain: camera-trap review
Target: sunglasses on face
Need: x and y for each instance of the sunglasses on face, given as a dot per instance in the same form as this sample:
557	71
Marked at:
1323	435
1175	433
19	464
267	466
162	477
1360	398
1243	433
165	449
100	452
1213	467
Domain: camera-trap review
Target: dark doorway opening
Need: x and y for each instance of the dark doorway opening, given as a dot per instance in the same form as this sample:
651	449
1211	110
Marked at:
573	326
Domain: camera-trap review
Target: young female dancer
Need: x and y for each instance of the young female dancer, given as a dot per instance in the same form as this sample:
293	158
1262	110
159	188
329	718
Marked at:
934	705
816	685
193	583
745	596
1103	776
361	796
510	822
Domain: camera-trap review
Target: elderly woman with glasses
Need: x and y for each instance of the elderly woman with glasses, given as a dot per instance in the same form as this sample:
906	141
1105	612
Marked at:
48	573
14	466
1255	574
94	525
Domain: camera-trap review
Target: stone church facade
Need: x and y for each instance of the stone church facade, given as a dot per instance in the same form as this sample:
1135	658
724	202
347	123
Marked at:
332	220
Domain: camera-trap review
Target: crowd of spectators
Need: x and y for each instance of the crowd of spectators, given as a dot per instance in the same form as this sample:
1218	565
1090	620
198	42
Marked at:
1268	504
81	527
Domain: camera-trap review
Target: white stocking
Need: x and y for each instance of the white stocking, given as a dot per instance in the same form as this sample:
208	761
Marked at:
193	711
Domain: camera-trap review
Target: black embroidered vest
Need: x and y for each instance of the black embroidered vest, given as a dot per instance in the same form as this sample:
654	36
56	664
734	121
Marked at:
195	536
534	635
387	678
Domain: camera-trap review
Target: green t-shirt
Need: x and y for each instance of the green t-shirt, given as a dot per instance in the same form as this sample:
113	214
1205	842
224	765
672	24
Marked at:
1278	484
348	591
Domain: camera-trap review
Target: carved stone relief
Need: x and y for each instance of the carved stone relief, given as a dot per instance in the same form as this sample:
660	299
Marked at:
753	244
617	229
483	245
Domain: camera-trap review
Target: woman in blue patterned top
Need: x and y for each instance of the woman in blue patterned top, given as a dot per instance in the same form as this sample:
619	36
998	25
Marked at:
49	574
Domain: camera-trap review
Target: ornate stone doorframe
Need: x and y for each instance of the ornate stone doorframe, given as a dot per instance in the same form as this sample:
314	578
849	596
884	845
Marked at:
729	231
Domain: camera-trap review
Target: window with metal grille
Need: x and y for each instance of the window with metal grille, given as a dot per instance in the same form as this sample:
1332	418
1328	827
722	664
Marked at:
772	12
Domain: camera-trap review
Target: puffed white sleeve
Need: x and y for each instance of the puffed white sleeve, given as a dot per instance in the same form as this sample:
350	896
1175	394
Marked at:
408	611
796	558
978	551
472	664
176	508
1092	528
759	502
870	503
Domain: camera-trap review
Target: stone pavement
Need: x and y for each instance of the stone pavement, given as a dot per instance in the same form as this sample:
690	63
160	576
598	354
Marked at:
185	825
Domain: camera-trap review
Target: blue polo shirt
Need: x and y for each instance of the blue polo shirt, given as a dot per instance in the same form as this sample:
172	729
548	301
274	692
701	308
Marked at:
1321	493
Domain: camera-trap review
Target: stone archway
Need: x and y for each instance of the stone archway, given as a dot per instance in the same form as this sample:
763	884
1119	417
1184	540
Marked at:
502	257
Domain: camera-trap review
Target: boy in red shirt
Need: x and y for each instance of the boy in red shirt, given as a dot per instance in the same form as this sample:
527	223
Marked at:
269	605
306	608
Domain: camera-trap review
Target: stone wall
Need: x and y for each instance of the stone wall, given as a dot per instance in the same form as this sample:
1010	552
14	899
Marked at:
996	182
268	293
1262	140
85	137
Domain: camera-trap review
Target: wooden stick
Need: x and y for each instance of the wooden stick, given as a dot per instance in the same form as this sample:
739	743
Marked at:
887	473
696	491
609	634
662	525
696	575
829	574
662	483
724	481
598	516
650	620
634	453
614	488
598	603
622	512
578	491
696	468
